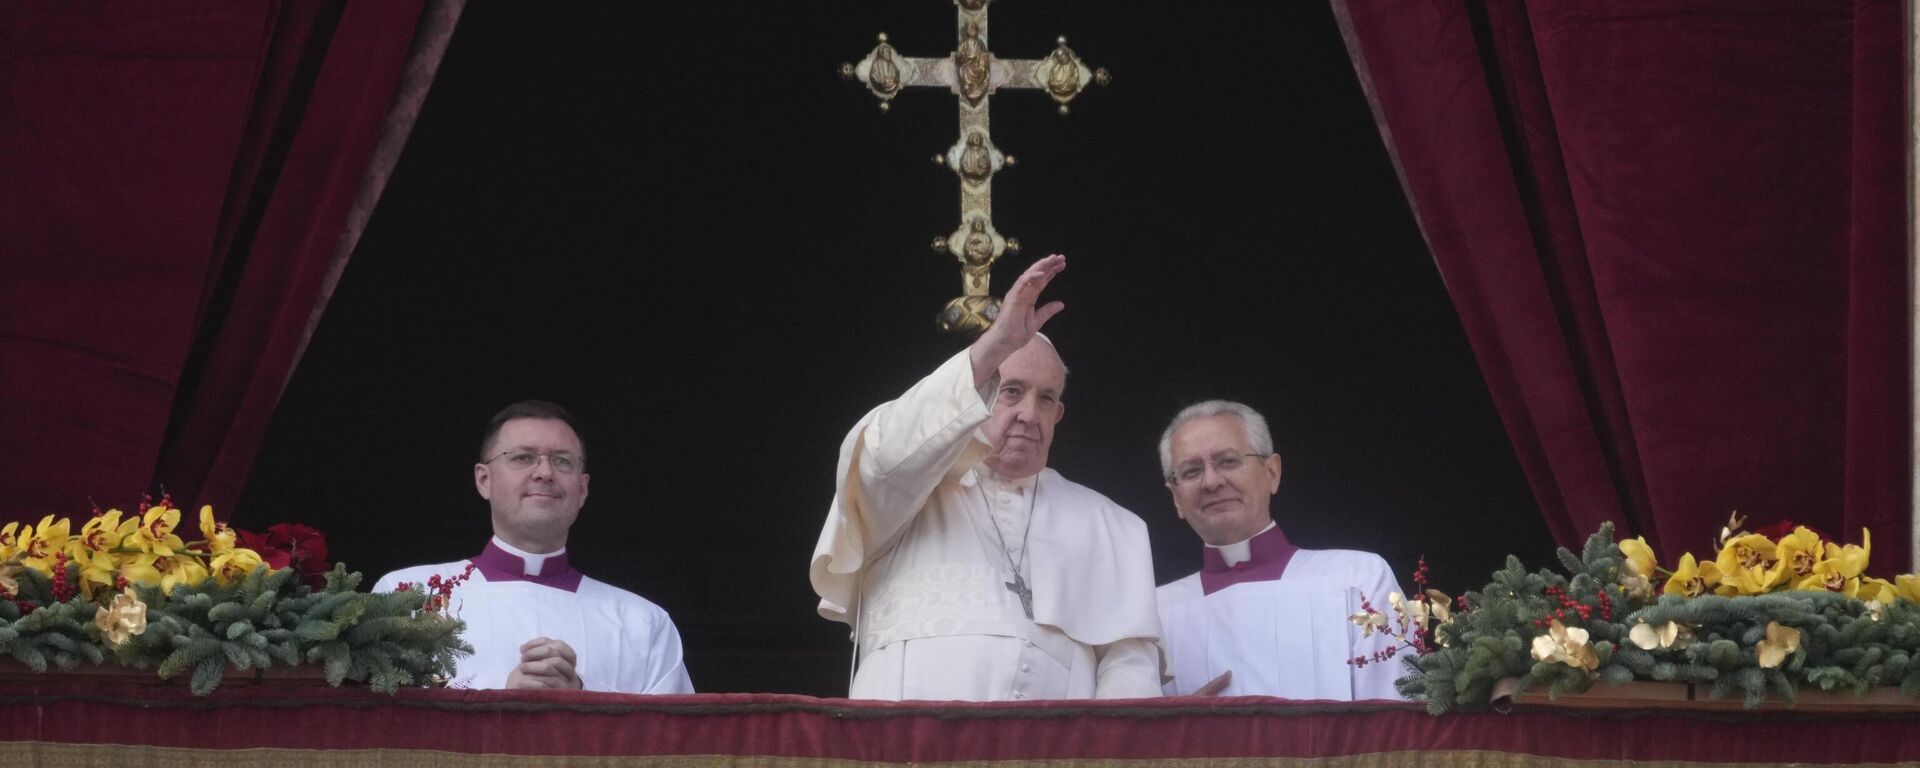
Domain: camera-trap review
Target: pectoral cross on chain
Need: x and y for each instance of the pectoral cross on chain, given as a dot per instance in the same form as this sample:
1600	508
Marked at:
1019	587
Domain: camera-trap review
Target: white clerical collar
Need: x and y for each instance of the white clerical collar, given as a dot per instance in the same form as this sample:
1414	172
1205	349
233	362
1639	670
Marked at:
1240	551
987	475
532	561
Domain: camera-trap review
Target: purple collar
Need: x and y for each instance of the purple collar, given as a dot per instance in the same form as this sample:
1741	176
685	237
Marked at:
500	565
1270	553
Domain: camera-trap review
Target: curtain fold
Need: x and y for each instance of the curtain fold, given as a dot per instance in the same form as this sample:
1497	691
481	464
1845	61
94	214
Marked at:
1673	236
182	186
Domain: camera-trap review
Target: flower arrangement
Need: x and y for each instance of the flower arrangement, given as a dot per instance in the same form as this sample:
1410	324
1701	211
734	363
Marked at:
1774	611
128	589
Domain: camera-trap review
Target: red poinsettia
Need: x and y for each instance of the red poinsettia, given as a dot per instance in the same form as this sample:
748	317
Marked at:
292	545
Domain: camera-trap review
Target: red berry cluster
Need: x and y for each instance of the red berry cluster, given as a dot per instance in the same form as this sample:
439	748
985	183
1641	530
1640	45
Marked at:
1606	606
1420	576
1584	611
439	591
1374	658
62	589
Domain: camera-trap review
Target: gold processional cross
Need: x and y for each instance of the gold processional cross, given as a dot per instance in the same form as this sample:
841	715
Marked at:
973	73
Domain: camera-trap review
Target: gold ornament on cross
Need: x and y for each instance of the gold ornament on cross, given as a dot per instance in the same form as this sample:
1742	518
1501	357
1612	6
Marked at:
972	73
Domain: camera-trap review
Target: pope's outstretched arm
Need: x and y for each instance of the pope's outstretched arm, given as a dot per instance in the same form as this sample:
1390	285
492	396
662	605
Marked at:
893	460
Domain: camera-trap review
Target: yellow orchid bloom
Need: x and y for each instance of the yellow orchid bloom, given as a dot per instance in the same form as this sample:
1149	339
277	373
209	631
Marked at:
1639	557
1567	645
1879	591
234	564
9	540
218	536
1907	587
39	545
1749	566
1781	641
122	620
155	534
1799	551
1691	579
1840	571
1639	568
102	533
97	570
1673	635
165	572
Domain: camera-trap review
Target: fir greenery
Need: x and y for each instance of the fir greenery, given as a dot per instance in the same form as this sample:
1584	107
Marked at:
1845	644
269	618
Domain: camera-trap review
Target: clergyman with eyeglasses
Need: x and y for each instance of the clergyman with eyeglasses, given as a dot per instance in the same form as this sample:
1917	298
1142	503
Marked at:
1262	617
532	619
966	568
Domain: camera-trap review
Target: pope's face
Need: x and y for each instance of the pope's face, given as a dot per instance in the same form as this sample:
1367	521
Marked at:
1025	410
1223	507
533	507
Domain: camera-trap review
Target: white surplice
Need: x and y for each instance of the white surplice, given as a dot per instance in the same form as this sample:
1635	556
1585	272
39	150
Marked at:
622	641
1289	637
930	537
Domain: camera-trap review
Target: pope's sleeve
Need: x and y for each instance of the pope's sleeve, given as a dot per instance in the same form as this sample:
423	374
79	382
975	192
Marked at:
889	465
1375	680
1127	669
907	447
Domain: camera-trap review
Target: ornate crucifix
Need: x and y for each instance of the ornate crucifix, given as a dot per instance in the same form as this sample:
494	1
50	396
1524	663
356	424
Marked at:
973	73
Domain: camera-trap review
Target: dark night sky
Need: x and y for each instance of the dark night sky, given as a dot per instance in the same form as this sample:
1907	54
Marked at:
681	224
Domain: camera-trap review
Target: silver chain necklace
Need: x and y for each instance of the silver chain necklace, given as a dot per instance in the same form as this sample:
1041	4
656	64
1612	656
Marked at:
1019	584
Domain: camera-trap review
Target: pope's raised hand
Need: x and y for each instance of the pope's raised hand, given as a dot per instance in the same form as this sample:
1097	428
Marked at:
1021	316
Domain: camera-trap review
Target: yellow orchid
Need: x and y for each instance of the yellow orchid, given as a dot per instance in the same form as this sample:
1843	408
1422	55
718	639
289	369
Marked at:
219	537
155	534
1639	557
1692	580
1749	565
1567	645
1781	641
97	570
165	571
234	564
1907	587
1672	635
104	532
9	540
1799	551
39	545
1879	591
1840	571
122	620
1639	567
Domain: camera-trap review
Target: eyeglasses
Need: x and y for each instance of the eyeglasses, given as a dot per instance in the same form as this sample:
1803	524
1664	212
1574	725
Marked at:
1192	471
520	461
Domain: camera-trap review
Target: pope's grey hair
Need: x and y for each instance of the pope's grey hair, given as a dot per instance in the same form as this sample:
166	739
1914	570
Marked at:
1255	426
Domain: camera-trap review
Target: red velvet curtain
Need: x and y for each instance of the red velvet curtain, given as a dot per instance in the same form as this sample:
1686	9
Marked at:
180	186
1673	233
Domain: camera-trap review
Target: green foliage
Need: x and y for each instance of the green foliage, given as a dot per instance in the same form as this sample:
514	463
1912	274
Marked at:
1844	645
266	619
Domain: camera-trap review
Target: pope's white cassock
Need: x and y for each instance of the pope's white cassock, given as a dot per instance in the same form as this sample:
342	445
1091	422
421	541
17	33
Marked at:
931	538
622	641
1277	616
